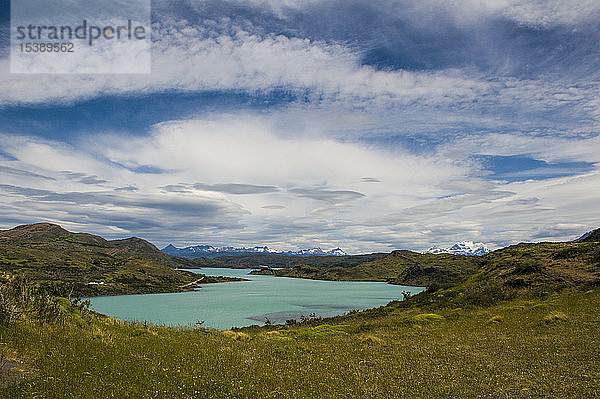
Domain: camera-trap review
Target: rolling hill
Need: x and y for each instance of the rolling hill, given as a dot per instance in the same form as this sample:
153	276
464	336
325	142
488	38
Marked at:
519	322
86	264
255	261
398	267
518	270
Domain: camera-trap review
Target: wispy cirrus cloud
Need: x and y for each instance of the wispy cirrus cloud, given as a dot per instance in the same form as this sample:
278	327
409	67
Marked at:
20	172
295	64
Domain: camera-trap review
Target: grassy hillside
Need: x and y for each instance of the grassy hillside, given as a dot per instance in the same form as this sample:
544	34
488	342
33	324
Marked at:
525	324
592	236
399	267
527	271
85	264
276	260
501	274
519	349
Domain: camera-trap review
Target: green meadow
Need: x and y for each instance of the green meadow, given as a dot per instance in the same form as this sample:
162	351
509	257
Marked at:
524	322
522	348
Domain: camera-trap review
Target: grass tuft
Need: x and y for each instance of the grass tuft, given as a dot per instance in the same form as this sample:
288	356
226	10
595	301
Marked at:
555	317
427	317
236	335
370	339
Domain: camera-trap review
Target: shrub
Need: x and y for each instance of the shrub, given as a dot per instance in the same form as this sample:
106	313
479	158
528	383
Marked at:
236	336
555	317
486	294
527	267
19	299
324	330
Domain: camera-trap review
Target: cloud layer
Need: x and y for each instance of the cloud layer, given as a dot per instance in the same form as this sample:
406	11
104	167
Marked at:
400	124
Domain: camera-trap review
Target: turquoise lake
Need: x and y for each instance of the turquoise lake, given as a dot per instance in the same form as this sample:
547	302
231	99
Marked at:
243	303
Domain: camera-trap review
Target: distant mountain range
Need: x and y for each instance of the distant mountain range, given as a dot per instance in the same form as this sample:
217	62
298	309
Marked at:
468	248
209	251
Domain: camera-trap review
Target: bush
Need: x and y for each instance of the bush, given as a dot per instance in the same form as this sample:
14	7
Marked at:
236	336
527	267
555	317
324	330
487	294
19	299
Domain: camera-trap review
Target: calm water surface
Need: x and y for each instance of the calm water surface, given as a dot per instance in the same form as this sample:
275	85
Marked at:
243	303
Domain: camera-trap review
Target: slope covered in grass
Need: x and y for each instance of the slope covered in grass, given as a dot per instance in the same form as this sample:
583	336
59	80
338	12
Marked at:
520	349
590	236
525	324
526	271
85	264
277	260
522	267
398	267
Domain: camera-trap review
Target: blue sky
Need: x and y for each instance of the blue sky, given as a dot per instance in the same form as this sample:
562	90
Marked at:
365	125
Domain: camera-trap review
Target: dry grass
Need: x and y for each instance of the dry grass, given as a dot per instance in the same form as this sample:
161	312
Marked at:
556	317
387	356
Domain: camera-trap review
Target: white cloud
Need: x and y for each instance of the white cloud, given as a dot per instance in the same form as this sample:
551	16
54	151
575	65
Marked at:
222	56
213	160
256	152
551	12
243	61
300	175
540	13
243	180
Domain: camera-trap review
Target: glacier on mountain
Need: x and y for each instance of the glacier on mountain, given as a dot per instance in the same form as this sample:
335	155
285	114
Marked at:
468	248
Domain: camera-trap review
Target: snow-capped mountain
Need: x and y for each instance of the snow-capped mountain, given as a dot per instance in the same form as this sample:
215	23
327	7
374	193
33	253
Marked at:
209	251
469	248
316	252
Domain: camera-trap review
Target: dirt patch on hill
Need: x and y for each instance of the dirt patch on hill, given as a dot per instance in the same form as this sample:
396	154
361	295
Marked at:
12	371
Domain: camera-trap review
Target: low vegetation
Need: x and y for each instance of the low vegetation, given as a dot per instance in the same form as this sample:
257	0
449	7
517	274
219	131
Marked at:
79	264
277	260
500	275
398	267
531	349
524	324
